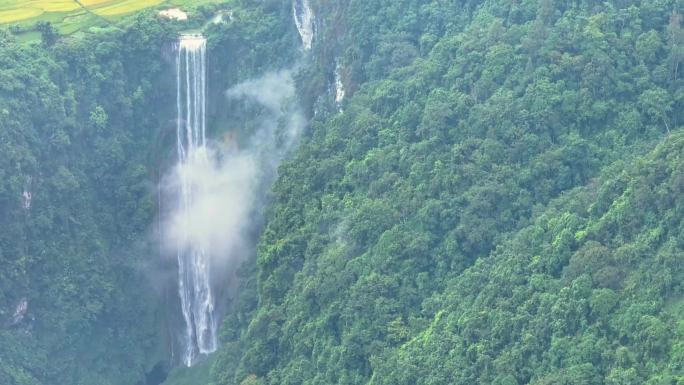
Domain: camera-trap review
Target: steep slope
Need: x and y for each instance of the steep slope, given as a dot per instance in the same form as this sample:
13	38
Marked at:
590	293
488	193
76	207
463	120
86	128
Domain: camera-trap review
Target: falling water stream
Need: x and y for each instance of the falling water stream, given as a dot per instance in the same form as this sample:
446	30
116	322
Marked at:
304	20
196	178
194	285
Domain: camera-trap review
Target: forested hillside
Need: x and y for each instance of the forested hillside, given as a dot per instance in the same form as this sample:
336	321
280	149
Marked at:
85	128
590	293
486	192
76	206
480	211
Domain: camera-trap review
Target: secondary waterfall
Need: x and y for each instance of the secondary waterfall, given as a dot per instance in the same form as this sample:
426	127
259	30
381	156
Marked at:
339	85
304	20
194	262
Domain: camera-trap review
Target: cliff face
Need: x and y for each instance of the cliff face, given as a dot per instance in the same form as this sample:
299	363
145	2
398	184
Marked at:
87	129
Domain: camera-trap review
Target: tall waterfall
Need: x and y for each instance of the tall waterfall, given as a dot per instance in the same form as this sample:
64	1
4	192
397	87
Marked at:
194	263
304	20
216	190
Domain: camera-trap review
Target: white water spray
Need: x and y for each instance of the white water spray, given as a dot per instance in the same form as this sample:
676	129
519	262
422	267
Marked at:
194	284
217	189
340	92
304	20
27	196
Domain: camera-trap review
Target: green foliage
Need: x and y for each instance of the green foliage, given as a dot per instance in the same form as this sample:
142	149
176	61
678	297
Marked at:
540	333
75	206
84	130
48	34
497	202
481	211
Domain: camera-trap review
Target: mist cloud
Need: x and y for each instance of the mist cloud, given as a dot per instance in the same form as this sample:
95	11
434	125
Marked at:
229	181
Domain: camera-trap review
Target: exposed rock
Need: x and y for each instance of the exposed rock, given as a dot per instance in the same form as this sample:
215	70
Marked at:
174	14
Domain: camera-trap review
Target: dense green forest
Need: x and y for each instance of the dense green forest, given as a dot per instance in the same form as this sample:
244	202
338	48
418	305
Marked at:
498	198
75	126
497	203
85	123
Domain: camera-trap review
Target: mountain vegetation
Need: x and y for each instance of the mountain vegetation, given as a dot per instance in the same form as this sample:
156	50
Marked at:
496	200
76	206
496	204
86	123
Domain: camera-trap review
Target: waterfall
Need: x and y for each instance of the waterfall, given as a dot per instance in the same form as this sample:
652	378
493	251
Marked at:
304	20
27	195
213	196
339	86
194	263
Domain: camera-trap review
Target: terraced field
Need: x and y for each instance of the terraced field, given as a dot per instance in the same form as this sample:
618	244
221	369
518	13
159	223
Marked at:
71	15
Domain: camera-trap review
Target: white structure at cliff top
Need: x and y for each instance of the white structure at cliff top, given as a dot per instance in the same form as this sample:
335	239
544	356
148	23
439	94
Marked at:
174	13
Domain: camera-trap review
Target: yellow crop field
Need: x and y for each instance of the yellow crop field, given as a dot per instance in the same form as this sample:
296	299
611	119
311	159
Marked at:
125	6
89	3
38	5
56	6
71	15
12	15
